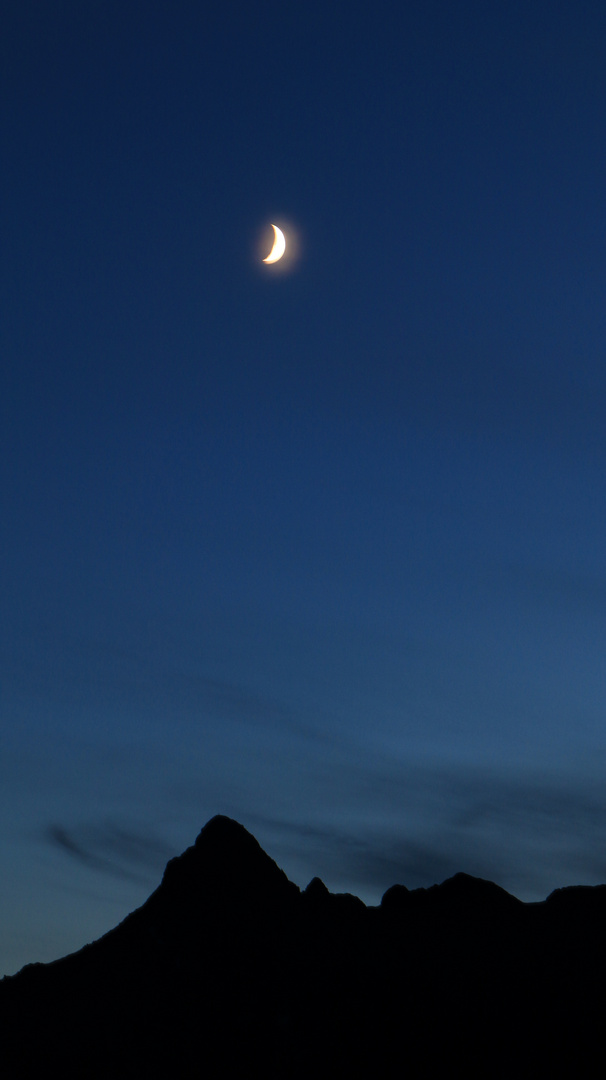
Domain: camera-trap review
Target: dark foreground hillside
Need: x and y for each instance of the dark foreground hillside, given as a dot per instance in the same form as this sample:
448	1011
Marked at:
230	970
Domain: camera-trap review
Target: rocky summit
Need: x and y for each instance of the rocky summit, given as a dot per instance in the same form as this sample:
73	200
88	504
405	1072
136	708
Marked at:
228	969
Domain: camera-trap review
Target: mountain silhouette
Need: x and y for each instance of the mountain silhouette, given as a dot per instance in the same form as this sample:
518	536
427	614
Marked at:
229	969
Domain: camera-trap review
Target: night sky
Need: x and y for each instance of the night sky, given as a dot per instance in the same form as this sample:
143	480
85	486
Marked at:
323	549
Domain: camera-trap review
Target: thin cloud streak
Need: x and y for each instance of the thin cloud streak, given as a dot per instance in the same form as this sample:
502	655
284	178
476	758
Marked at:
529	833
112	849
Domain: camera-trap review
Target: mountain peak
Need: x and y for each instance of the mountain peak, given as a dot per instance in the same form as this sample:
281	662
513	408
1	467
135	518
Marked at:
224	823
228	964
474	890
226	864
224	830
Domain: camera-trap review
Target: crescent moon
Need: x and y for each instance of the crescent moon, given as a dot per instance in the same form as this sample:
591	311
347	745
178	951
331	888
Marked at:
279	247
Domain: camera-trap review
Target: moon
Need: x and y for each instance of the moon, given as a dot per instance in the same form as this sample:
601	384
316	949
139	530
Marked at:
279	246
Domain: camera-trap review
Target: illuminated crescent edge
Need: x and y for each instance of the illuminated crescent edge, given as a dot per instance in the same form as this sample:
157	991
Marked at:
279	247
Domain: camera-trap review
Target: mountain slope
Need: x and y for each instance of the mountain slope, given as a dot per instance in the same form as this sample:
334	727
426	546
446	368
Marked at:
228	968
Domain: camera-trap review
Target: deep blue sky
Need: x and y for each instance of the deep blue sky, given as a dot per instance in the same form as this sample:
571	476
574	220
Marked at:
325	550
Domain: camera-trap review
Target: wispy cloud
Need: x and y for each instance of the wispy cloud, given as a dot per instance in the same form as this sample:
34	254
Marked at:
419	825
63	668
112	849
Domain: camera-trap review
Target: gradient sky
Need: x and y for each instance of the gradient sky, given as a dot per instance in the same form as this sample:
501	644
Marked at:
323	550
